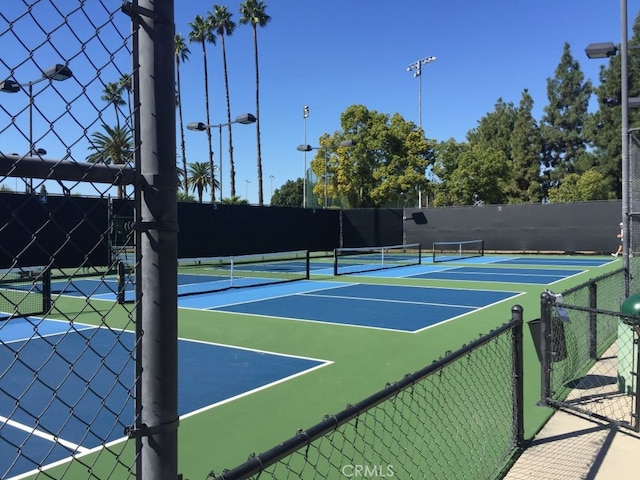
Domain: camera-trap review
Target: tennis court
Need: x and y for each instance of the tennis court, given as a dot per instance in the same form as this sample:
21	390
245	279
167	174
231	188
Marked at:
535	276
388	307
212	374
209	375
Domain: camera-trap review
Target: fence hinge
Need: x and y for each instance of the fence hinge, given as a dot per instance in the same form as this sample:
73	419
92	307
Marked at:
146	431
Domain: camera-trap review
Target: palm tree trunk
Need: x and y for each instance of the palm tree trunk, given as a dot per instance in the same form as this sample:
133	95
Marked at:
182	144
255	49
206	100
226	86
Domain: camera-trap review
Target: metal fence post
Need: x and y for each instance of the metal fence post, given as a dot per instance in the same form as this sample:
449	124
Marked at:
518	352
546	344
593	320
156	235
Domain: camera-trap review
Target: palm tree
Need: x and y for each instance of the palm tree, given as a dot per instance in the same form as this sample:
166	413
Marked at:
201	32
221	22
200	178
126	85
112	94
253	12
114	146
181	52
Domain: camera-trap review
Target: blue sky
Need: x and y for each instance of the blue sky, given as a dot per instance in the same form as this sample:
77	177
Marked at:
331	54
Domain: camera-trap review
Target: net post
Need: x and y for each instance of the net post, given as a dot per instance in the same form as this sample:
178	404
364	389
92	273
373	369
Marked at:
308	265
121	279
419	254
335	261
46	290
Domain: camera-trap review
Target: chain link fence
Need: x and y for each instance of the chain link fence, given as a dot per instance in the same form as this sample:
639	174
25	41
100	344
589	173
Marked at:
72	376
427	425
588	351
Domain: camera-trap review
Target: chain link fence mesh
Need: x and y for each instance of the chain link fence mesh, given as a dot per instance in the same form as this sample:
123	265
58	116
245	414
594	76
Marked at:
431	424
589	351
66	151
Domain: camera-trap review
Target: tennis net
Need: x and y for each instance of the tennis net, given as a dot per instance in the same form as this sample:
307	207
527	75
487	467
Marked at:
349	260
213	274
449	251
24	292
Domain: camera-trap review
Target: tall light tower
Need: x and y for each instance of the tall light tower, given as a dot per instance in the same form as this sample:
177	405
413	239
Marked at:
416	68
305	114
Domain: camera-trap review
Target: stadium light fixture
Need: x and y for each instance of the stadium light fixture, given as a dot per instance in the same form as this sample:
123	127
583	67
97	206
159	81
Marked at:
244	119
601	50
605	50
416	68
308	148
57	72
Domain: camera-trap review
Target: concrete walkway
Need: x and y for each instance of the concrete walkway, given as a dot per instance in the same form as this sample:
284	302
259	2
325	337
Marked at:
572	447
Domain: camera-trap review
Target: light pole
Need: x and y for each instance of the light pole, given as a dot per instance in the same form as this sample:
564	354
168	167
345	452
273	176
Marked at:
416	68
246	190
308	148
305	114
244	119
271	177
604	50
56	72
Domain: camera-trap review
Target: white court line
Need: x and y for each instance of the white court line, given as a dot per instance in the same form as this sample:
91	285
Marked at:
46	436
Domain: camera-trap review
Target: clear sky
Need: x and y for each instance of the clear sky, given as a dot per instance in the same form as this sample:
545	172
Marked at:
331	54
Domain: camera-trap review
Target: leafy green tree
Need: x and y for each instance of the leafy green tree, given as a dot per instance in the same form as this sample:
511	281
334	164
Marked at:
289	194
114	146
221	23
182	196
181	54
387	162
235	200
253	13
480	177
526	147
591	185
562	125
201	32
200	178
446	161
604	125
494	129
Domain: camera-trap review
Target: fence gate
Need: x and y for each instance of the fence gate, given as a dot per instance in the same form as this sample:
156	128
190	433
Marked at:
589	351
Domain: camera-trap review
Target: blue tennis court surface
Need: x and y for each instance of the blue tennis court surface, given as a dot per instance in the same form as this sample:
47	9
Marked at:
99	390
388	307
555	261
537	276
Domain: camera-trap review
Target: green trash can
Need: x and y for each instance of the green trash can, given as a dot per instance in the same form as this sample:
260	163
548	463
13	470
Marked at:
627	329
631	306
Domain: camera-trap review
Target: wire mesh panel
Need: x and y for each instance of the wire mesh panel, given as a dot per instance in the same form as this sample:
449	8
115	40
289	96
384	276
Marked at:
634	218
353	260
449	251
589	351
67	376
408	430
